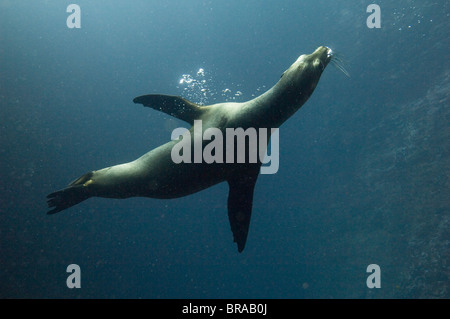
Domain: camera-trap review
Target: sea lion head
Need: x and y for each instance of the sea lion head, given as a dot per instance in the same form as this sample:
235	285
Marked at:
314	62
294	88
306	71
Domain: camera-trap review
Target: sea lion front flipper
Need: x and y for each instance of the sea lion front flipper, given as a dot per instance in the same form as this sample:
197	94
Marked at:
240	202
172	105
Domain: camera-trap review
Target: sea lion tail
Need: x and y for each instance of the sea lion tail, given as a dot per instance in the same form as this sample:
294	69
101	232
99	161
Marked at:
75	193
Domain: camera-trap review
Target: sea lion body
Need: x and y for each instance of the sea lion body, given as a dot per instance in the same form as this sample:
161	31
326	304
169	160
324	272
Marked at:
156	175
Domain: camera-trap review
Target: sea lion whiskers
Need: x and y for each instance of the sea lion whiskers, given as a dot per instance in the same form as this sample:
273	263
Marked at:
338	62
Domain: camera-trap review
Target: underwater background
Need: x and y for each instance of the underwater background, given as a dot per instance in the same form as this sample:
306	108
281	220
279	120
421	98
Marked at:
364	164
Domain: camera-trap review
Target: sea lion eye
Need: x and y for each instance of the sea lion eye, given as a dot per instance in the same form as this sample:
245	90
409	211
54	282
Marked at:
316	62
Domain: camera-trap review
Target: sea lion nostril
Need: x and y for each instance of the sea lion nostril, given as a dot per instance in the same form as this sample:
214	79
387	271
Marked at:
330	52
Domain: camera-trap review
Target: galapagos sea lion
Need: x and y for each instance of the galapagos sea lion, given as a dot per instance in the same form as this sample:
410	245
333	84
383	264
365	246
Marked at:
156	175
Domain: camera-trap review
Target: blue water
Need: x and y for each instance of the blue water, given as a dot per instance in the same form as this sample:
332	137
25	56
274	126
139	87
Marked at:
364	165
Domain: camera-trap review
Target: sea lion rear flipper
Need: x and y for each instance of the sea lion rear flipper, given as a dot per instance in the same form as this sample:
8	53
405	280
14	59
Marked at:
75	193
173	105
240	202
66	198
